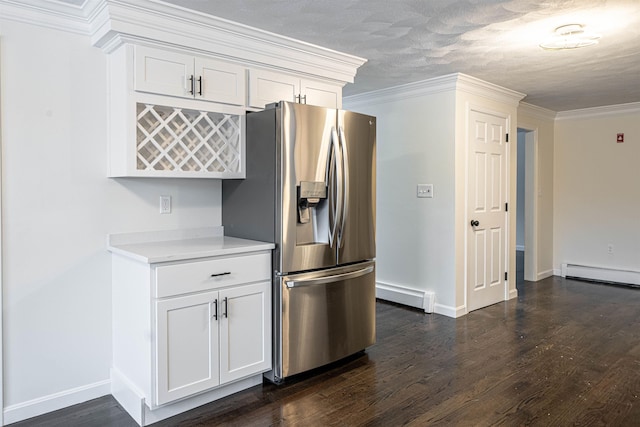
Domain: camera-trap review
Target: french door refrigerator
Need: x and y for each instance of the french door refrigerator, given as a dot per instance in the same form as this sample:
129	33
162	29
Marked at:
310	189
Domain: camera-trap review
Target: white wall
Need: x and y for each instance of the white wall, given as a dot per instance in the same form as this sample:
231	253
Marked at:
597	188
415	145
58	208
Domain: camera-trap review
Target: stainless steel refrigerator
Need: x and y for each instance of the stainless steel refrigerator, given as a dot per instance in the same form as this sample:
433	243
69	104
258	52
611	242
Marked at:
310	189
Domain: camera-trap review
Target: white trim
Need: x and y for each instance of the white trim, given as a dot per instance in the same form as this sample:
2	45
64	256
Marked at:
153	21
531	200
53	402
545	274
536	112
411	297
488	90
449	311
606	111
450	82
132	400
1	248
51	14
602	274
403	92
111	23
513	293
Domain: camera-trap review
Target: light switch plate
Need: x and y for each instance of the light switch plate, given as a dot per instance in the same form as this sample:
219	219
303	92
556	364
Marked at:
425	190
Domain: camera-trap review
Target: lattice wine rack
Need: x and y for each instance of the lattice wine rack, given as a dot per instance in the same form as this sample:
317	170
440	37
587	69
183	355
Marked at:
179	139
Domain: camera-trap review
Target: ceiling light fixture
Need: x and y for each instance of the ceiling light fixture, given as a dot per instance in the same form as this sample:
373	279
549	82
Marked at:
571	36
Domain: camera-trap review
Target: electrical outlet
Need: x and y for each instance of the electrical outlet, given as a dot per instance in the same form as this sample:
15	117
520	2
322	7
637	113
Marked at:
610	249
425	190
165	204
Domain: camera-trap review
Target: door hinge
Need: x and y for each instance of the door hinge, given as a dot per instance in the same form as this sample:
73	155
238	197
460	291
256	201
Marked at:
507	137
506	207
506	275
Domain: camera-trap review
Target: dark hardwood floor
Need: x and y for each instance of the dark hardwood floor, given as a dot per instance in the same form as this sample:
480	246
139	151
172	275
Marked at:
564	353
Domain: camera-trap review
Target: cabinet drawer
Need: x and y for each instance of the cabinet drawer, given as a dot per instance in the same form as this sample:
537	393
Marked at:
210	274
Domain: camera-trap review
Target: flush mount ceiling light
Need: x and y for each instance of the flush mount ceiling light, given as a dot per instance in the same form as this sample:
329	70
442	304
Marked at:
570	36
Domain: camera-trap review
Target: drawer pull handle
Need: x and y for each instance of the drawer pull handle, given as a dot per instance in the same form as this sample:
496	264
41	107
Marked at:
221	274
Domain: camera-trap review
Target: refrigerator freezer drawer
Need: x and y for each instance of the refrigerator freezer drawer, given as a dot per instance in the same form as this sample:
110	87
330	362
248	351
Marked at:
325	316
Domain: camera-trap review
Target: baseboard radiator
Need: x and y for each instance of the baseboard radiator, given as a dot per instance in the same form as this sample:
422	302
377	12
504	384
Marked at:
601	274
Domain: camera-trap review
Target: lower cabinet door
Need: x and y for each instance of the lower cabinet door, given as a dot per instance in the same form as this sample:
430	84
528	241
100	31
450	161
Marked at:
245	331
186	346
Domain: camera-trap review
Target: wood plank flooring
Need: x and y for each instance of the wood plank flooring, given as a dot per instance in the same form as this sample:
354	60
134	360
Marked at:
564	353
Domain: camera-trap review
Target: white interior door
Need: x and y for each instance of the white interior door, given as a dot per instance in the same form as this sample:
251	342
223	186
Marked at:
487	192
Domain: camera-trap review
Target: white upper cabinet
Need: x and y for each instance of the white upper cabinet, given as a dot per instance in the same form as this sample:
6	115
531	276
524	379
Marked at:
187	76
266	87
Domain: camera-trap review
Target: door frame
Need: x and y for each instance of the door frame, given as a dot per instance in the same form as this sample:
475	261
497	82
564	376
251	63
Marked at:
531	202
467	241
1	245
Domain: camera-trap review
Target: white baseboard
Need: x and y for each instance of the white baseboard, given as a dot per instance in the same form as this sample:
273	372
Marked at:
417	298
133	401
545	274
601	274
513	293
53	402
449	311
424	300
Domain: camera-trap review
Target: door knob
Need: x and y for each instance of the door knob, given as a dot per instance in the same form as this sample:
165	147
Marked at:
475	223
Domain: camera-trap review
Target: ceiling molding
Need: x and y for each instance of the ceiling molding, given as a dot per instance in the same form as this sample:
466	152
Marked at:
609	110
51	14
536	112
111	23
450	82
488	90
153	21
405	91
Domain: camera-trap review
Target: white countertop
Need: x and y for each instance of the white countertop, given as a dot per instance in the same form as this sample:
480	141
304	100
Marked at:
158	250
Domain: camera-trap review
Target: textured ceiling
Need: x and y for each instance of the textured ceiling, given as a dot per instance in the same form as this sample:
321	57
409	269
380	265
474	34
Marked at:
494	40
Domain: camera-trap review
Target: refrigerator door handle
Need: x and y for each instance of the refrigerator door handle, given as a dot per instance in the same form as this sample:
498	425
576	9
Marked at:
345	185
329	279
335	173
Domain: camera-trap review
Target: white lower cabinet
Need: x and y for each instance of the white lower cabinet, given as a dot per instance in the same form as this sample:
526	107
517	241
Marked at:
212	338
189	332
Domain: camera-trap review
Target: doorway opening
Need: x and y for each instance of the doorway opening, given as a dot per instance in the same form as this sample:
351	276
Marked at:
526	242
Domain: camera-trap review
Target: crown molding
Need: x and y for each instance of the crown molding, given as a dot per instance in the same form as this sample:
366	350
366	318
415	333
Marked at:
51	14
450	82
536	112
605	111
153	21
111	23
475	86
403	92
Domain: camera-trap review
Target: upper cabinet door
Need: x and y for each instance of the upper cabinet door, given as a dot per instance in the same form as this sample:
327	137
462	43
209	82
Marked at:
219	81
266	87
187	76
321	94
159	71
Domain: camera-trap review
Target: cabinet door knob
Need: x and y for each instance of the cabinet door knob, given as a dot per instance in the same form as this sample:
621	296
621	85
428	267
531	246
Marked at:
192	85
